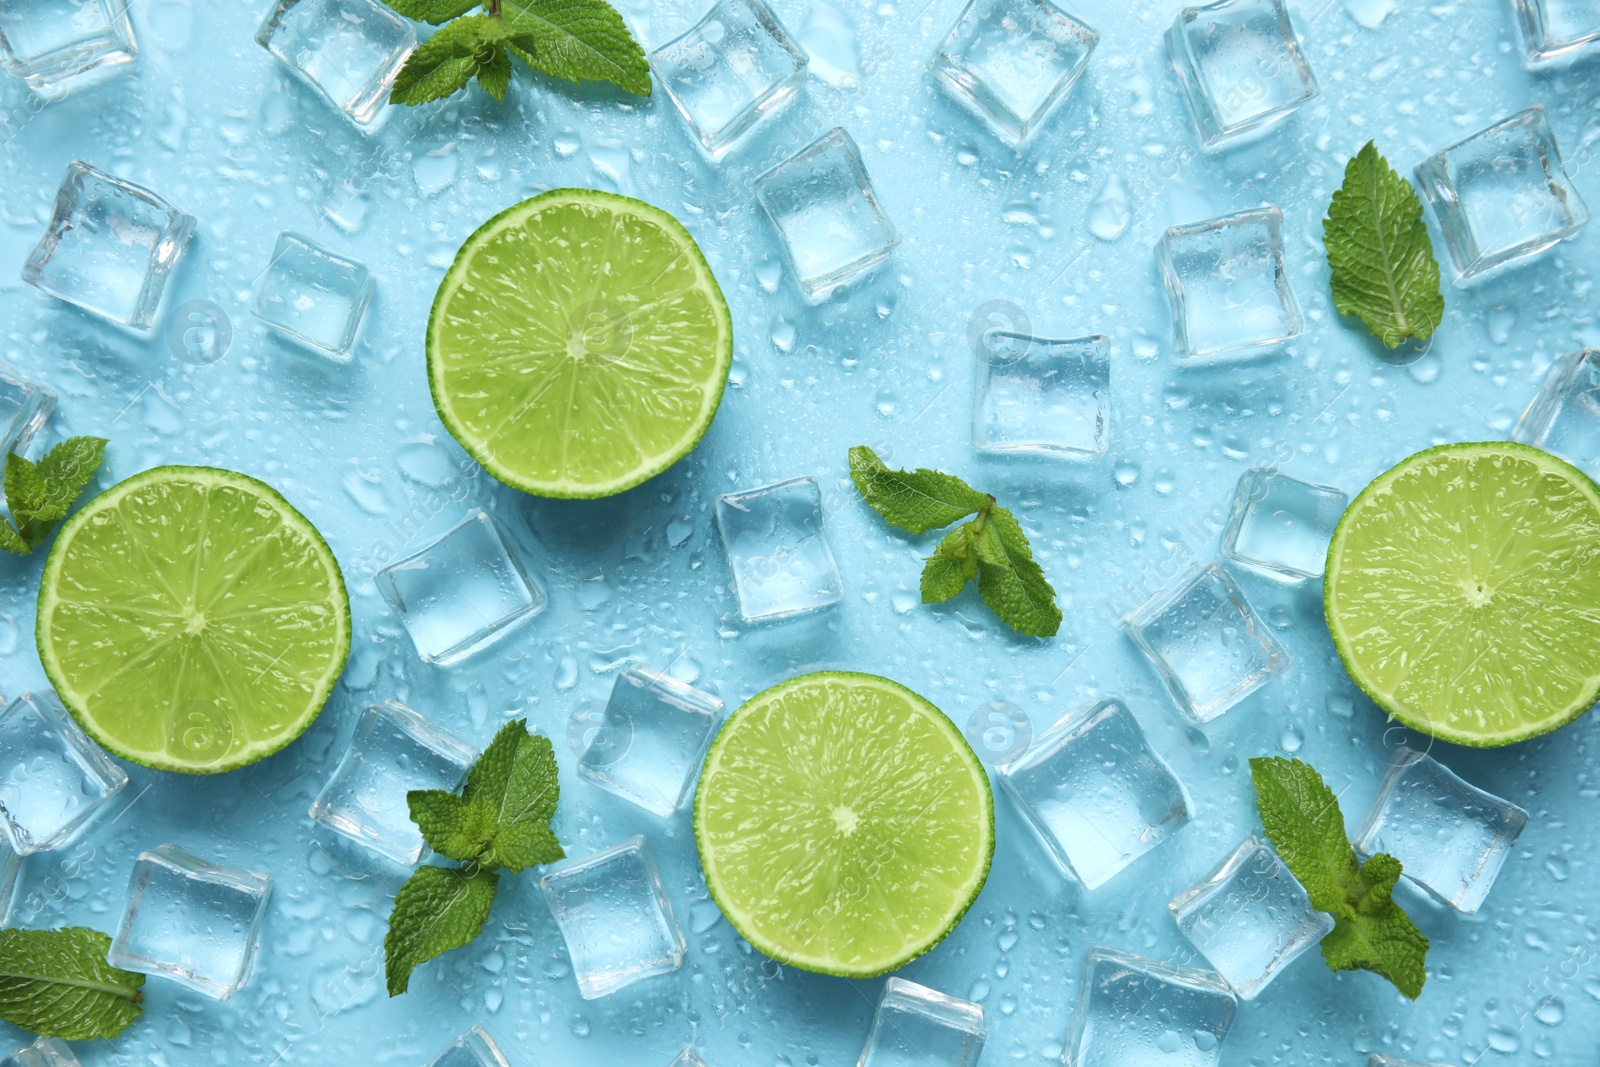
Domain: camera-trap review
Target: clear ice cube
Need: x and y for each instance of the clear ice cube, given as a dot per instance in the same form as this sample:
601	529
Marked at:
823	205
651	740
348	50
1502	196
475	1048
781	562
393	750
1249	918
60	47
1012	61
1042	397
45	1052
915	1026
314	295
53	778
1226	282
1450	837
192	921
733	68
1137	1012
688	1058
1557	32
614	915
1240	67
110	247
10	868
1564	417
25	406
462	592
1095	792
1282	525
1206	642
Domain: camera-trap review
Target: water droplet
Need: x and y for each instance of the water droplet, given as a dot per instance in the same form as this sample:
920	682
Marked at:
566	673
1426	369
567	144
424	463
1340	706
1291	739
1551	1012
680	530
903	600
782	334
1501	321
829	38
768	273
1126	473
580	1026
1109	214
1370	13
435	171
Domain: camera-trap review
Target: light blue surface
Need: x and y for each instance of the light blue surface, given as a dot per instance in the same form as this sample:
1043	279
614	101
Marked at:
215	124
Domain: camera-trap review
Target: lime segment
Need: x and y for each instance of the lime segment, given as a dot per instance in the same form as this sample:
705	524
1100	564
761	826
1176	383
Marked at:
844	824
192	620
1463	592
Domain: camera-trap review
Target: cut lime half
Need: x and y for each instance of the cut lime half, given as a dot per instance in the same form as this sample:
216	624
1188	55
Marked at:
1463	592
192	620
844	824
579	344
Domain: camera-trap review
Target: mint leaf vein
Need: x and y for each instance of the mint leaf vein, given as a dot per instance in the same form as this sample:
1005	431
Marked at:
57	983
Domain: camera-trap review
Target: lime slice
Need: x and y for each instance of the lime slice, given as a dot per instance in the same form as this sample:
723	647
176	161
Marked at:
192	620
844	824
578	344
1463	592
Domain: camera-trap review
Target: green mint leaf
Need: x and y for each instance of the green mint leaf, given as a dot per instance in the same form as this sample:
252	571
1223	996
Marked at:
12	541
953	564
1011	581
67	469
1380	937
917	501
494	77
523	844
438	909
515	783
446	62
1378	248
25	489
452	827
579	40
57	983
434	11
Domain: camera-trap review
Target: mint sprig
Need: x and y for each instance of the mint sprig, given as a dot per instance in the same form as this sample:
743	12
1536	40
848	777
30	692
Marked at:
38	495
1371	932
498	820
57	983
990	548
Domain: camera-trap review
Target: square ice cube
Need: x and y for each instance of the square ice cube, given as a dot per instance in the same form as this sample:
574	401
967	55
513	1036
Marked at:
45	1052
53	779
25	406
462	592
614	915
1012	61
920	1027
1043	397
110	247
781	562
393	750
1137	1012
348	50
1240	67
1250	918
1206	642
314	295
1227	285
1564	418
1557	32
733	68
1502	195
1282	525
192	921
688	1058
59	47
1452	838
475	1048
1095	792
10	868
651	740
823	205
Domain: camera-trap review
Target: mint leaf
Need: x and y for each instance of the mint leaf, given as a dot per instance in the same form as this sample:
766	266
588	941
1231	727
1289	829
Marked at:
25	488
67	469
1382	260
1011	581
917	501
452	57
515	781
57	983
437	909
953	564
1382	938
579	40
434	11
494	77
11	541
452	827
523	844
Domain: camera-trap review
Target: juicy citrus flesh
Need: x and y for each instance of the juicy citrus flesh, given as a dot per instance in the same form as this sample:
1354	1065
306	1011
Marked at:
843	823
1463	592
192	620
579	344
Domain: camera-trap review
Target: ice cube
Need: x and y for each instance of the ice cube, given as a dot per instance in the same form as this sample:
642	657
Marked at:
25	406
687	1058
1095	792
1450	837
1206	642
733	68
781	562
823	205
314	295
1564	417
348	50
392	751
463	592
1226	282
1502	195
53	779
45	1052
1012	61
654	733
1377	1060
1557	32
60	47
1282	525
110	247
614	915
1250	918
475	1048
10	868
1137	1012
1240	67
1042	397
920	1027
192	921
